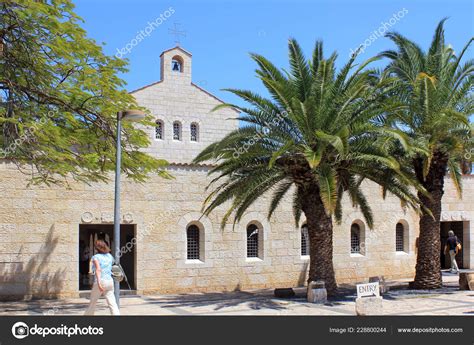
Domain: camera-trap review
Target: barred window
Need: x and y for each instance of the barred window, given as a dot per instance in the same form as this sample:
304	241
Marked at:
399	238
193	242
304	240
355	239
159	129
176	130
194	132
252	241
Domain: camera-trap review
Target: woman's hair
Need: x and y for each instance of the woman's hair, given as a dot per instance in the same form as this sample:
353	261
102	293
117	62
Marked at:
450	233
102	247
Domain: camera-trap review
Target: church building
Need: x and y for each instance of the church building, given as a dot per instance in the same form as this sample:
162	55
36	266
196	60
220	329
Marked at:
168	246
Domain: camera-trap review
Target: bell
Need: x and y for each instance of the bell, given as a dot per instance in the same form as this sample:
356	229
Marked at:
176	66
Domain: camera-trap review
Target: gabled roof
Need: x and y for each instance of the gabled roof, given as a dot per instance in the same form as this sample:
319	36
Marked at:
179	48
192	84
144	87
211	95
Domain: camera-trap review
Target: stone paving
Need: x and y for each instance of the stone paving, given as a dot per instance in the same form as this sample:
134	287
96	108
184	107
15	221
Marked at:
398	301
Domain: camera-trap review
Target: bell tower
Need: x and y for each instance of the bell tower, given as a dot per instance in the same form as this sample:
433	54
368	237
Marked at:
176	66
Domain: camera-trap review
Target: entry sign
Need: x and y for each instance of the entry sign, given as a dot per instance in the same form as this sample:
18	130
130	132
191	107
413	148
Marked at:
368	290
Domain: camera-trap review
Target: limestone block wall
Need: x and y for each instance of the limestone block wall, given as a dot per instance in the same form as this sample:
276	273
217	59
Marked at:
39	233
39	225
176	98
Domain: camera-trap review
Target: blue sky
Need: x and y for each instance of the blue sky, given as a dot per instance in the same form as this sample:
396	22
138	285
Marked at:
220	34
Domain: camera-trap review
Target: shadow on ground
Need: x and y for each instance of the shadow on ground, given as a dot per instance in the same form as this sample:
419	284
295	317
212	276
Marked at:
45	307
253	300
218	300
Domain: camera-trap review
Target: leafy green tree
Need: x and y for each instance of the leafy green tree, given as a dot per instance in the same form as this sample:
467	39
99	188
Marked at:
59	97
318	136
436	90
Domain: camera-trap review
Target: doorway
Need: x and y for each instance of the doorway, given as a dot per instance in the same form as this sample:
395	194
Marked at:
457	227
88	234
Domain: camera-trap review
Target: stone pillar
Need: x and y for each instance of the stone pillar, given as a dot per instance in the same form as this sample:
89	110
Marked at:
317	292
466	281
369	306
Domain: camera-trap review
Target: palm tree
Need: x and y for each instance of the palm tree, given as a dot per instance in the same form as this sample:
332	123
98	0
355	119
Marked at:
436	90
317	136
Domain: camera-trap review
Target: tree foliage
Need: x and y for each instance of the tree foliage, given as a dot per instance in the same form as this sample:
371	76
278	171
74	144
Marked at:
436	89
59	97
320	127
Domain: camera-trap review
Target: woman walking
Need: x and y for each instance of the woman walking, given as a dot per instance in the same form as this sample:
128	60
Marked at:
103	282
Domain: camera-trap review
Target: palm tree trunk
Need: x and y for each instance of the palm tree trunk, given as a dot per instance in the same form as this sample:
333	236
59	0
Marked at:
320	233
428	264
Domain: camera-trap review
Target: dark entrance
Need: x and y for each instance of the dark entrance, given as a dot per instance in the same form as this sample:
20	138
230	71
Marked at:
88	233
457	227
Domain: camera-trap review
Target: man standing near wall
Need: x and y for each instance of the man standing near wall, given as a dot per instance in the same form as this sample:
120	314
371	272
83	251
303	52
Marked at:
451	246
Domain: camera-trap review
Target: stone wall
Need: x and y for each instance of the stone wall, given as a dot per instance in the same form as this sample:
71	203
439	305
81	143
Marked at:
39	225
176	98
39	230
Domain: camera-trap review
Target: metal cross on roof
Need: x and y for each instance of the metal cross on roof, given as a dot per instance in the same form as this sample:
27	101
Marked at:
176	32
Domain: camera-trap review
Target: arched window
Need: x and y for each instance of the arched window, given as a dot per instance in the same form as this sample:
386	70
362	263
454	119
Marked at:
176	130
192	234
304	240
177	64
400	238
355	239
252	241
159	129
194	129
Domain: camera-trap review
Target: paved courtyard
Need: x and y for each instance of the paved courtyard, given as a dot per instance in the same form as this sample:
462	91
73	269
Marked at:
398	301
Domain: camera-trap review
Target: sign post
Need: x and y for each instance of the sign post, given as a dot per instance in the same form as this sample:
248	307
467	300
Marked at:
368	301
368	290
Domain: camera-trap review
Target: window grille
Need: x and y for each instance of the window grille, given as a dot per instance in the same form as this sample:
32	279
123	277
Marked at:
355	239
176	131
399	240
304	240
194	132
252	241
193	242
159	130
